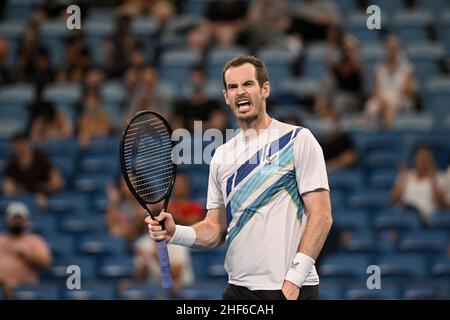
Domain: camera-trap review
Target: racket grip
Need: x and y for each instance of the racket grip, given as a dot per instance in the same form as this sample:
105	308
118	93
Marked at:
167	281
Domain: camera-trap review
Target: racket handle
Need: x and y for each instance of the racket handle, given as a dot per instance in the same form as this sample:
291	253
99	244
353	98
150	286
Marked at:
167	281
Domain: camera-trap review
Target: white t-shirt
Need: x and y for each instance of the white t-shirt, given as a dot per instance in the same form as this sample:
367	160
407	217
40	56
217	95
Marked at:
418	193
260	183
178	255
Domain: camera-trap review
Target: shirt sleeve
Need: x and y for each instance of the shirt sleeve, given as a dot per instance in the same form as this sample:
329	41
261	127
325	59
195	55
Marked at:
310	169
215	198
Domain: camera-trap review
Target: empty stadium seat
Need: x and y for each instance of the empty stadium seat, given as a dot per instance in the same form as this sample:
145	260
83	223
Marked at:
440	221
399	220
99	291
361	292
441	268
217	59
369	200
405	266
348	266
36	292
117	267
424	242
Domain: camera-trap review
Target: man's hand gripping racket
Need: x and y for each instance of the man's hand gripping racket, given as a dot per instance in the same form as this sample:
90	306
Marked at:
149	171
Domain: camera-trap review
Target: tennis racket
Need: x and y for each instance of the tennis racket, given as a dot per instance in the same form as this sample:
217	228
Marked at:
148	169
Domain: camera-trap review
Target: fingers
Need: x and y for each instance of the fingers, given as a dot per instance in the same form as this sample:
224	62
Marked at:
162	216
157	235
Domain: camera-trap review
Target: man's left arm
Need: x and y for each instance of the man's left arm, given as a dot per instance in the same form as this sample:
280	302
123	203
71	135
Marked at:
317	204
312	182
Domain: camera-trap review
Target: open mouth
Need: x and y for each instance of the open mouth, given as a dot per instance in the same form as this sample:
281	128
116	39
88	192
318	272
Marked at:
243	104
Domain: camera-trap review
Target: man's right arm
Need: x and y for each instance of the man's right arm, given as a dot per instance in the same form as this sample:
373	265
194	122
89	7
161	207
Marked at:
212	230
208	233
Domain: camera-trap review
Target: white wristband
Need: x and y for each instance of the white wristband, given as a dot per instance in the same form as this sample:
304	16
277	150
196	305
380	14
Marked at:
299	269
183	236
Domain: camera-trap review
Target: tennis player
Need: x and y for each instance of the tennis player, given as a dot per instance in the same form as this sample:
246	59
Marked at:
270	206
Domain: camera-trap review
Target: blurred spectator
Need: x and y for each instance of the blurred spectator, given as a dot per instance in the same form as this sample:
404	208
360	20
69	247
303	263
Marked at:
147	264
268	23
338	148
5	75
124	216
314	18
394	86
147	97
49	123
43	71
94	119
185	210
30	171
76	65
161	10
423	187
226	18
342	90
94	79
27	51
198	106
22	253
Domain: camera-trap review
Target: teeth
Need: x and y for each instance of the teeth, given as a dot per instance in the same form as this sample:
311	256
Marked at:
242	102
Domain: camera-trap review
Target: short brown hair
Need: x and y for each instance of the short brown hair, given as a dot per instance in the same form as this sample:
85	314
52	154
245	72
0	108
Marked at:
260	67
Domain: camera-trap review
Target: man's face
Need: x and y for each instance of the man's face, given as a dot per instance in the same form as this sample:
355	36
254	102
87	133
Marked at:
243	93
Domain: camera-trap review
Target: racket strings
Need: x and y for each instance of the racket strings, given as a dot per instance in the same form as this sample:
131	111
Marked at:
148	158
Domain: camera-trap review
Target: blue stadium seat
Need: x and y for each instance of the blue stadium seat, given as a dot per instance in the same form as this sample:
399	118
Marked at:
66	202
441	268
117	267
13	118
293	89
43	224
217	59
141	291
344	266
98	163
405	266
440	221
84	223
355	221
369	200
421	290
101	245
345	179
60	147
92	182
410	25
424	56
52	35
65	164
201	292
361	242
36	292
331	290
60	268
424	242
414	122
66	94
17	94
279	64
437	94
61	245
91	291
103	145
195	8
400	220
382	179
19	10
176	65
359	292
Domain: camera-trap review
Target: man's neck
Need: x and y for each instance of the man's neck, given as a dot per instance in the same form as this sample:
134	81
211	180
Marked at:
256	126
